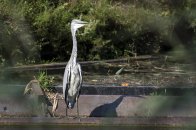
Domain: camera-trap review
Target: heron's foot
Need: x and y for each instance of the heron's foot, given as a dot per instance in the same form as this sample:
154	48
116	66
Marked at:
61	117
74	117
71	117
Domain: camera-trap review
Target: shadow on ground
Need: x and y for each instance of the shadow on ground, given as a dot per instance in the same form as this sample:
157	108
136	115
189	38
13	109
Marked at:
107	110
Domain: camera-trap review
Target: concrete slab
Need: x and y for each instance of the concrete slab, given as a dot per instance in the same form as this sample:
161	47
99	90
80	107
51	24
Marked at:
108	106
131	106
30	103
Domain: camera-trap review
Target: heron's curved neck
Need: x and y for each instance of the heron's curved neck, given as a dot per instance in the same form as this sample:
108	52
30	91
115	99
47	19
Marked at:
74	49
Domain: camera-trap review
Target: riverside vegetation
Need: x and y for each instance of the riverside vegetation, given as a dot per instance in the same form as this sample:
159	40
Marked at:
36	31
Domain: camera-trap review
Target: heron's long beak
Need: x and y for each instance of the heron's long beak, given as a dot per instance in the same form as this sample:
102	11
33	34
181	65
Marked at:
82	23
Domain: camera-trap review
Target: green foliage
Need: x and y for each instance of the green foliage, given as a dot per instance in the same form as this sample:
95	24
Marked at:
45	80
16	41
116	28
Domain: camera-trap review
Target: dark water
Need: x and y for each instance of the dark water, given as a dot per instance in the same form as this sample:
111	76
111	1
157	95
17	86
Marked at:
82	127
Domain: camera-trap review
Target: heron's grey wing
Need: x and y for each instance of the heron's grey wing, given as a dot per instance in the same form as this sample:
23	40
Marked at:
66	79
80	79
80	74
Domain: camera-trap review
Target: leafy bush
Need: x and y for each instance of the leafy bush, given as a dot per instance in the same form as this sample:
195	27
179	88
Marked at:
16	42
116	28
45	81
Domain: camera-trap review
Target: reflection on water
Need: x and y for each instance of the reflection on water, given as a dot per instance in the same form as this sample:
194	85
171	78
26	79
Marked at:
82	127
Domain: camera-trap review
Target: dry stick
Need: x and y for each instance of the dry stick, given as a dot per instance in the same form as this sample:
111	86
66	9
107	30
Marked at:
55	104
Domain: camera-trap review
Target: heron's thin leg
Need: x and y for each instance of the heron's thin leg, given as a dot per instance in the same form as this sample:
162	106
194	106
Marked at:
78	112
77	109
66	112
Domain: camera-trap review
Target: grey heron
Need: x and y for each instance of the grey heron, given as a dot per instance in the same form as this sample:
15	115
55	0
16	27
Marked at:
72	79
